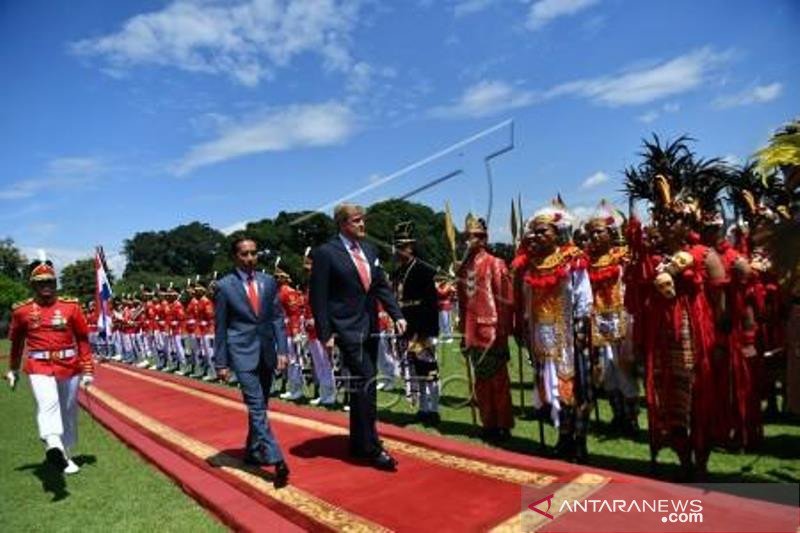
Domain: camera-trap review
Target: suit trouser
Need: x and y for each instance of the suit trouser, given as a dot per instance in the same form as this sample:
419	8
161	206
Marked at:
56	407
255	385
360	359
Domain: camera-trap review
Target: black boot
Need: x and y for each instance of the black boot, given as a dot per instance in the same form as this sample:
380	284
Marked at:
565	447
618	410
631	426
581	451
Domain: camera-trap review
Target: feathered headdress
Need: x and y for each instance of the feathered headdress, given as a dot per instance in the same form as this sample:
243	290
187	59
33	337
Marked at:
662	175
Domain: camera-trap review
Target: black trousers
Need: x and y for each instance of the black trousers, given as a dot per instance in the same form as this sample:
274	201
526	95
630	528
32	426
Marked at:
360	359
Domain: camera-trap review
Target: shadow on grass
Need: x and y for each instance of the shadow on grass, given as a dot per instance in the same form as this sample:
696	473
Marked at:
52	479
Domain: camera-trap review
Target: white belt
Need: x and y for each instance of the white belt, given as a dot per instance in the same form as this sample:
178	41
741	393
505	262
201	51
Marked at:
53	354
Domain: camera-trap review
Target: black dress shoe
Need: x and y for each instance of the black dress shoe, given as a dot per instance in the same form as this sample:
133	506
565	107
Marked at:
281	475
56	458
384	461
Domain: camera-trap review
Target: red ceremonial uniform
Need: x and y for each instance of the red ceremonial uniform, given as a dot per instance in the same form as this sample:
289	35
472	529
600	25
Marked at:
445	293
192	316
176	317
91	319
205	316
292	302
56	338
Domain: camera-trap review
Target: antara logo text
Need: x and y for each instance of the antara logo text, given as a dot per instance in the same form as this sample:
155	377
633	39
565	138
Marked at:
671	511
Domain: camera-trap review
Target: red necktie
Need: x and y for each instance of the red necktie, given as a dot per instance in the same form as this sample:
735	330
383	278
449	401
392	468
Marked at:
252	295
361	265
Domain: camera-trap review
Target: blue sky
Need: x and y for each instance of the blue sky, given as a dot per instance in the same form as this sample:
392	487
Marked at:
118	117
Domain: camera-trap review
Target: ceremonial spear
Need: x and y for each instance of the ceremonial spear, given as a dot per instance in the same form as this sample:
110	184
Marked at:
450	231
516	228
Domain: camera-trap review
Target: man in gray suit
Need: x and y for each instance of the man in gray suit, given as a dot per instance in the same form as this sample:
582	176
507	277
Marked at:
250	339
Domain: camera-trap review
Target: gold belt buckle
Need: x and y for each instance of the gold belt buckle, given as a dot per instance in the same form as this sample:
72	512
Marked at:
53	355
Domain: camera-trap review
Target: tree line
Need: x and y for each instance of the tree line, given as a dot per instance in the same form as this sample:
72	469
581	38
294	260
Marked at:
186	251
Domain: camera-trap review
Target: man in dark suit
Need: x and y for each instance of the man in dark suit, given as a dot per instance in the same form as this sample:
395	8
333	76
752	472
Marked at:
250	339
347	282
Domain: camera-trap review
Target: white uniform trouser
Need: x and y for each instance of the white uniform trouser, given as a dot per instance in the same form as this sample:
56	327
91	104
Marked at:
388	366
128	353
323	371
116	337
207	341
193	350
56	407
160	346
175	344
93	343
428	388
444	324
294	372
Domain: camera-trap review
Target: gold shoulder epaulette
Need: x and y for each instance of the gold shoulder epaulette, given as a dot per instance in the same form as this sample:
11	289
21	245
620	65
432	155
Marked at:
21	303
68	299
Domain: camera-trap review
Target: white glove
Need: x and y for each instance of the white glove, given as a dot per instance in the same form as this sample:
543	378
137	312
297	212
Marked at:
86	380
12	376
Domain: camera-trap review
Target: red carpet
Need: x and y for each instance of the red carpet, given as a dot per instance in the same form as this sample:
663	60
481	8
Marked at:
195	431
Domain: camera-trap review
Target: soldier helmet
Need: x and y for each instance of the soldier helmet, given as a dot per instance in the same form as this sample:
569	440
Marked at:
42	270
404	233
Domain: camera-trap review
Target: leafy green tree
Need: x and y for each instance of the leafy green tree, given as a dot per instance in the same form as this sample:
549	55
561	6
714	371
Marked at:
186	250
429	229
11	291
12	261
78	279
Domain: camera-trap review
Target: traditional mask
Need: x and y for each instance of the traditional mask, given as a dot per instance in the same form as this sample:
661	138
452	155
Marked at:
679	262
665	285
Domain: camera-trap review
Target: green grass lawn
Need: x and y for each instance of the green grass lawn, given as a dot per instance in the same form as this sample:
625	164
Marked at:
777	461
116	490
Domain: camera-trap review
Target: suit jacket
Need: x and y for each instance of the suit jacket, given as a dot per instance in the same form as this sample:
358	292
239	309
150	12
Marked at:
339	302
241	336
416	293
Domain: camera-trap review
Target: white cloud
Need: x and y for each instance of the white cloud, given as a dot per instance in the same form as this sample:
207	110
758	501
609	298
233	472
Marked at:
60	173
469	7
653	114
598	178
486	97
679	75
246	41
630	87
649	116
232	228
756	95
545	11
295	126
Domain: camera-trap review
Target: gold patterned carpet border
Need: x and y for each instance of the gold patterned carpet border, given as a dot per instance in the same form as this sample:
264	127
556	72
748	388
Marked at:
300	501
509	474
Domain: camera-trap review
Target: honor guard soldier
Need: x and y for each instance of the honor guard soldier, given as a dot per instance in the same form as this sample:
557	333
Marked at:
51	334
292	301
205	328
416	294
